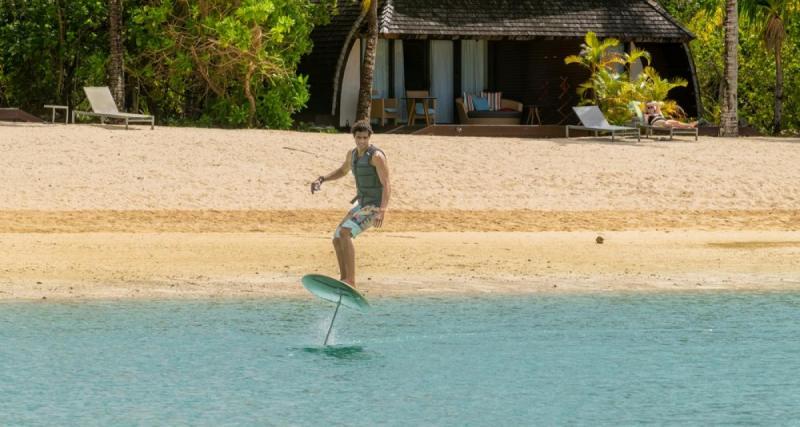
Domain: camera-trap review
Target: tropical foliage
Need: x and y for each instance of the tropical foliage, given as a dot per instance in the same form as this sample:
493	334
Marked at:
769	72
214	61
49	49
610	85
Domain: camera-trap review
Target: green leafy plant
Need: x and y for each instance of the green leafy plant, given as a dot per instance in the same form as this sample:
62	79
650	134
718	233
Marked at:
50	49
758	74
236	60
610	86
211	63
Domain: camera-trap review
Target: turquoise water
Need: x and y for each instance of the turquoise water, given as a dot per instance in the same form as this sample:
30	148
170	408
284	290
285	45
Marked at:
726	358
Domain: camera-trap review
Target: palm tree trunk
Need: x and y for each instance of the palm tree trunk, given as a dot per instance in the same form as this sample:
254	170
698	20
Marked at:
368	66
343	56
62	46
116	73
776	120
729	119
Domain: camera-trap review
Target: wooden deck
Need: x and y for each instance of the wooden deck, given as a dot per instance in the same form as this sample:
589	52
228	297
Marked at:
17	115
518	131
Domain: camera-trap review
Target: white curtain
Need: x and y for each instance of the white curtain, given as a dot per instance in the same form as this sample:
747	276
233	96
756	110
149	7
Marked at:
380	84
442	79
399	78
474	55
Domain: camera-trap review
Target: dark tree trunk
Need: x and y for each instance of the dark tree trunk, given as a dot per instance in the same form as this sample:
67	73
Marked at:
116	70
368	66
778	115
729	120
60	54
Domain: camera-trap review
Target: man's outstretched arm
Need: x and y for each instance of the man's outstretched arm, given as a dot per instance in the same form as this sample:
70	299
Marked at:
336	174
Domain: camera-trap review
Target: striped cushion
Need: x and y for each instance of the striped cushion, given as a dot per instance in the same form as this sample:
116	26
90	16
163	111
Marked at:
495	100
468	102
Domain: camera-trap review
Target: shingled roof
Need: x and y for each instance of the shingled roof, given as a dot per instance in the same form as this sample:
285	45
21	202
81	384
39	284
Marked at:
642	20
627	20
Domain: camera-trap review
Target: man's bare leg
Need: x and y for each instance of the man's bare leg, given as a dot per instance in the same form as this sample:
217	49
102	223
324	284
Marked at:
349	256
337	246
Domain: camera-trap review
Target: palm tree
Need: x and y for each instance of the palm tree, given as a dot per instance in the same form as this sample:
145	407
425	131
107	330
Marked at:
368	66
116	73
771	16
594	56
609	89
729	119
369	11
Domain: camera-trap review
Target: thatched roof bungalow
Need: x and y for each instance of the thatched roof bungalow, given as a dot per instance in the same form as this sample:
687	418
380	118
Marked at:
513	46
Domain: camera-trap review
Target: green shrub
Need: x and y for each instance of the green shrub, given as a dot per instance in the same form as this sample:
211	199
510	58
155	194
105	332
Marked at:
613	90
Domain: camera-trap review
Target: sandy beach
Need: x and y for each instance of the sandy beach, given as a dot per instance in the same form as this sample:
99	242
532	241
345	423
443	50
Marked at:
98	212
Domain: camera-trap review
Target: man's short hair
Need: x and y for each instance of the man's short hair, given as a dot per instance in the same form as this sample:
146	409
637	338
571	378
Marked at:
361	126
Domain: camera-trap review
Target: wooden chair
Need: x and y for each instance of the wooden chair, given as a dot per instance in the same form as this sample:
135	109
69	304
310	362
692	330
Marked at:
384	109
419	106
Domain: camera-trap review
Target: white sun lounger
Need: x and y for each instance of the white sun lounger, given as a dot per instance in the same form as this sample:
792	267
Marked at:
103	106
593	120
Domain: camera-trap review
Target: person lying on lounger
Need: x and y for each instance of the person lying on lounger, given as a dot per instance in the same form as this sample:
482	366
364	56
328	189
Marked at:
655	118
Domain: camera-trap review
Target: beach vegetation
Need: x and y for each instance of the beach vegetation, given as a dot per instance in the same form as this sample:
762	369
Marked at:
49	49
768	98
770	19
610	85
224	63
214	62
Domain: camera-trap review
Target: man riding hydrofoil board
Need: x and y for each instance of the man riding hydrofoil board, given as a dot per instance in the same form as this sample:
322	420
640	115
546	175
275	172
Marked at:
369	166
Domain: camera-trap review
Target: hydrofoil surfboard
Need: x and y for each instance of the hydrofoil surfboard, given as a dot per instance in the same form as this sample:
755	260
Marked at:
334	291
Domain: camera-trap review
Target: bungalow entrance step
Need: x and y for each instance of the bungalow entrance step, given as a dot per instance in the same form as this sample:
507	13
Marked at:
17	115
403	129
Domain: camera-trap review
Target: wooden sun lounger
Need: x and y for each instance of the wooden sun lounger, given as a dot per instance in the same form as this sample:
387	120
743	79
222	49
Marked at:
103	106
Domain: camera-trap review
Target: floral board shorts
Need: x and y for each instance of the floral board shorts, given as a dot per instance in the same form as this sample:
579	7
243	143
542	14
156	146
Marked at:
357	220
